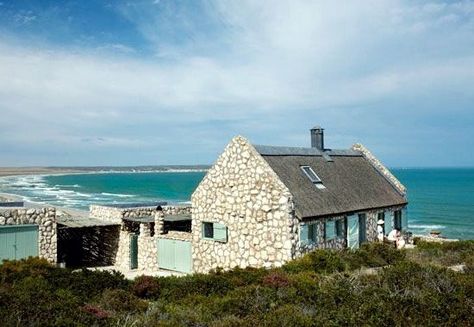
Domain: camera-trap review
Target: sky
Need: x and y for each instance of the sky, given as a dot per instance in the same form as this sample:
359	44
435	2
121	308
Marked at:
172	81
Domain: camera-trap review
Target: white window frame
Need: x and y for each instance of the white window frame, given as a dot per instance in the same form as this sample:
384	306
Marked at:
311	171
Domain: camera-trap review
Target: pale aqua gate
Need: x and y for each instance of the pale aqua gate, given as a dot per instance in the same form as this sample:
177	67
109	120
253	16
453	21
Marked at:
18	242
174	255
353	232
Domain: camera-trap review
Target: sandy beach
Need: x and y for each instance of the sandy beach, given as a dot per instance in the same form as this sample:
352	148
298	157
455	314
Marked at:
12	171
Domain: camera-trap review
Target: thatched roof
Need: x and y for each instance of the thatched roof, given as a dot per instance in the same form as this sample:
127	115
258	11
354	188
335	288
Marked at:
351	182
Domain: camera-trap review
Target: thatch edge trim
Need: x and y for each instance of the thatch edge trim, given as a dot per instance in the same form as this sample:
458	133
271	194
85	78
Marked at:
377	164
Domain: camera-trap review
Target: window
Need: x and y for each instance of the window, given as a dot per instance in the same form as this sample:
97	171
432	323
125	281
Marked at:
381	217
308	234
330	230
397	222
311	174
208	230
340	228
214	231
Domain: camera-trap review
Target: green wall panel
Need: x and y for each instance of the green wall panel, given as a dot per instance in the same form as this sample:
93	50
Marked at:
174	255
18	242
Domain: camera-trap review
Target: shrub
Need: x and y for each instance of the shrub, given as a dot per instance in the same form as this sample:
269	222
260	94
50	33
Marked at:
96	311
276	279
122	301
327	261
146	287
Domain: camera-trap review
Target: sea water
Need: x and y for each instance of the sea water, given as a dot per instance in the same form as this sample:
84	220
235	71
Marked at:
439	199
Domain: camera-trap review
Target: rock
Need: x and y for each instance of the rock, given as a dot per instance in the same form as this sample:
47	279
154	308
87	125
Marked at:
266	208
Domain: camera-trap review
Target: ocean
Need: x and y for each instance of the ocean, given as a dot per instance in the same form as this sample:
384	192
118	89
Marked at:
441	199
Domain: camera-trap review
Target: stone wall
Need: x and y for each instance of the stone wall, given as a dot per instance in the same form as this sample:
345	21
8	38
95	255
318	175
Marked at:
45	218
116	214
106	213
176	235
336	243
371	225
242	192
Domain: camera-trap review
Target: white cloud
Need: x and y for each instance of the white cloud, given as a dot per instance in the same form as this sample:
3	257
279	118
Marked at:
282	62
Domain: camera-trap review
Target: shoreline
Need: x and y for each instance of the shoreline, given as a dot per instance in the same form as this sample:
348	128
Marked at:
46	171
62	211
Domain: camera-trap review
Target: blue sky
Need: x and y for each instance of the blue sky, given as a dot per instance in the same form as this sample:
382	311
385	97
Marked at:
171	82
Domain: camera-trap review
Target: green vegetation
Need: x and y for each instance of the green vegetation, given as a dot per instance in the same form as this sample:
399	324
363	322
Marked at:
322	288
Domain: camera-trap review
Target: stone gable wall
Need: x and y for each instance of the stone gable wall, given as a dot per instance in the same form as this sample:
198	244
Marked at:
45	218
242	192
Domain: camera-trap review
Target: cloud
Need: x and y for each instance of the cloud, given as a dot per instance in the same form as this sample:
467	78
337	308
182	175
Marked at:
264	69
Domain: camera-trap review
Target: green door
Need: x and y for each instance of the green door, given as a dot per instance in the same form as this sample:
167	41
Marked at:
18	242
353	232
133	251
174	255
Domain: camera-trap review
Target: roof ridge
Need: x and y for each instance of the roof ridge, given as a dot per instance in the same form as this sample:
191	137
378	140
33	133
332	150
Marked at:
302	151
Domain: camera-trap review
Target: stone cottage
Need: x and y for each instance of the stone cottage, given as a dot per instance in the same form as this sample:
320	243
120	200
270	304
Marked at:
262	206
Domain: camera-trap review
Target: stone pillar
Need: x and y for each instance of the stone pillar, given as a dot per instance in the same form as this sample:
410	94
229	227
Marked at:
159	223
147	249
145	230
48	242
371	226
122	259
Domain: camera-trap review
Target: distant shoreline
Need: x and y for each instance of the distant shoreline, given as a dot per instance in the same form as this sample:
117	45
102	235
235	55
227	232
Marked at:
19	171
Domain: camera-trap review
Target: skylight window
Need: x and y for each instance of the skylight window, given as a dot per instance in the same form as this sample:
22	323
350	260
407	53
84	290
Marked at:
309	172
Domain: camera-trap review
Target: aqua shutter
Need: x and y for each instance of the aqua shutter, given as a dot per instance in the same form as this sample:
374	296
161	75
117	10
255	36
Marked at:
330	230
220	232
304	240
388	222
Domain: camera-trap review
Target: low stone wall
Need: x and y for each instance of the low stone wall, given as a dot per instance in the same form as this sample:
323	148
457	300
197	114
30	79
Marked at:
106	213
177	210
45	218
116	214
